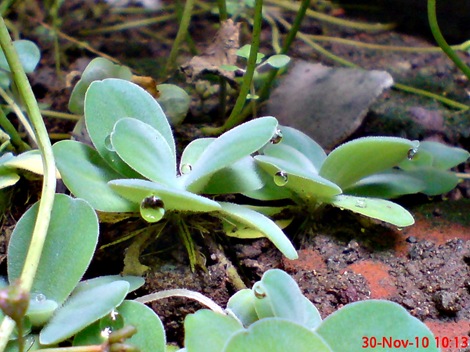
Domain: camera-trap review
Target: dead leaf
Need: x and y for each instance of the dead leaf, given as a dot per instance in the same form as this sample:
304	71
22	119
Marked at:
148	83
222	51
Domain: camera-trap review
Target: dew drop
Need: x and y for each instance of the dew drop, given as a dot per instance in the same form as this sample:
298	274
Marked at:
259	292
185	169
281	178
411	153
108	144
361	203
38	297
111	322
152	209
277	137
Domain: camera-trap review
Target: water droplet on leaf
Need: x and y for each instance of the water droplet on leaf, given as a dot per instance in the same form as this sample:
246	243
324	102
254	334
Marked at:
361	203
185	169
412	152
111	322
107	143
281	178
38	297
152	209
259	292
277	137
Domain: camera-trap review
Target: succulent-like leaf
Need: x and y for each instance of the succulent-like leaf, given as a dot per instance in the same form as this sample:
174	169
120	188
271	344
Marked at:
362	157
278	61
278	295
134	282
242	304
444	157
192	152
389	184
174	102
82	309
8	179
379	321
276	335
70	243
261	223
302	182
206	325
380	209
108	101
98	69
145	150
28	53
289	154
436	181
230	147
173	199
86	175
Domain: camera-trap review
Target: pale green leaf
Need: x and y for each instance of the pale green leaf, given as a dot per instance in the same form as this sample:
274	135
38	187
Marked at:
278	61
28	53
174	102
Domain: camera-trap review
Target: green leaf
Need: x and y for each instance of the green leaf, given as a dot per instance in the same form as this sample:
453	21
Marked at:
135	282
172	198
145	150
86	175
192	152
174	102
292	156
362	157
444	157
242	304
436	181
389	184
108	101
82	309
71	240
278	61
8	179
98	69
304	144
304	183
28	53
278	295
244	52
150	335
230	147
208	331
276	335
377	321
241	176
261	223
375	208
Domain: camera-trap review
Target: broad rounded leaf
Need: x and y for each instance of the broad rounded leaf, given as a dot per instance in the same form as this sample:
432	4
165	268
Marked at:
172	198
108	101
145	150
135	282
230	147
436	181
98	69
28	53
380	209
8	179
71	240
82	309
379	321
277	335
86	175
261	223
174	101
192	152
208	331
291	155
278	61
444	157
30	160
242	304
362	157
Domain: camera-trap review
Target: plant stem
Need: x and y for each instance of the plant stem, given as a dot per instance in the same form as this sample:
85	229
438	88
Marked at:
182	31
436	32
182	292
13	133
223	15
234	117
49	181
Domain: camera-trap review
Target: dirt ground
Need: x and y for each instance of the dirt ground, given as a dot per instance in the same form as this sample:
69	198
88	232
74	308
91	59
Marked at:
343	258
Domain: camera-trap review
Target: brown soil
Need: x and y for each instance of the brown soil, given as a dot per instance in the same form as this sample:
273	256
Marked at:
342	259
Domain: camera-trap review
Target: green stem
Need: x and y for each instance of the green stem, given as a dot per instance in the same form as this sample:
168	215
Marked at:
436	32
13	133
181	35
223	15
38	236
234	117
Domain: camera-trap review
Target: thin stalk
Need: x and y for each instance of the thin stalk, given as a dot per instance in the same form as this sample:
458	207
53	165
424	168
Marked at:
182	292
223	15
234	117
19	113
60	115
181	35
13	133
436	32
38	236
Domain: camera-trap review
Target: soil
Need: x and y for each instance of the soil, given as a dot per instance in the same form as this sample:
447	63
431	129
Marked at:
342	258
